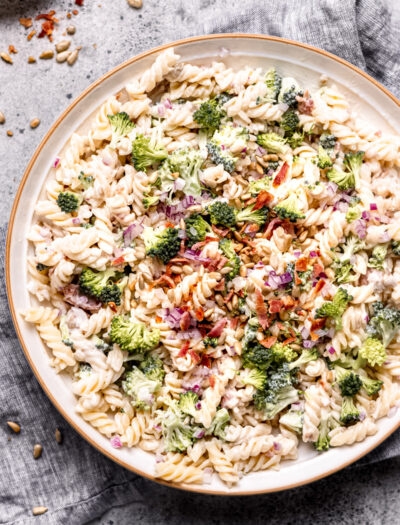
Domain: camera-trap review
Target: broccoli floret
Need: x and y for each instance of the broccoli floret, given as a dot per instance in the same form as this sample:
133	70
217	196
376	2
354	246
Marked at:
293	420
324	158
257	356
282	353
372	386
177	434
272	142
353	213
273	165
323	441
344	180
223	214
187	162
221	156
274	84
335	308
255	377
230	137
210	341
132	336
349	413
250	333
145	154
289	209
327	141
378	256
153	368
373	351
278	395
65	332
86	180
353	162
121	125
150	200
187	403
296	139
218	424
395	245
84	371
384	323
226	246
68	201
349	382
210	114
351	246
140	388
307	355
290	122
103	285
344	272
42	267
263	184
248	214
161	242
289	91
196	229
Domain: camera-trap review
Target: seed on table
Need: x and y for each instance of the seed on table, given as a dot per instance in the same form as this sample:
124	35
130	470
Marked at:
59	437
34	123
72	57
10	133
63	45
62	57
37	451
71	30
12	425
31	60
135	3
37	511
6	57
47	54
2	118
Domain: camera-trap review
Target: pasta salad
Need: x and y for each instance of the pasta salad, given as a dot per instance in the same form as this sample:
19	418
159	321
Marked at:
216	263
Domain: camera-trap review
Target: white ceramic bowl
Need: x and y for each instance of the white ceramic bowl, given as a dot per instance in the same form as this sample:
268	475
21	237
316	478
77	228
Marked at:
301	61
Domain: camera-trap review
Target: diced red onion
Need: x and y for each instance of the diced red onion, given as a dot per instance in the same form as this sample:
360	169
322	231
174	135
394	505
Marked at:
176	211
73	295
309	344
179	184
360	228
331	332
345	197
313	254
167	103
76	220
305	332
194	256
193	333
132	231
366	215
321	333
198	405
261	151
277	446
331	350
297	253
373	206
199	433
56	161
161	110
332	188
115	442
362	416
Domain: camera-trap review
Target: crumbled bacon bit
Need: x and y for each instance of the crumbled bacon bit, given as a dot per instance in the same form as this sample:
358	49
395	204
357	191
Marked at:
26	22
275	306
75	12
216	331
69	15
212	380
281	175
158	319
113	306
317	269
229	297
31	35
185	321
289	340
206	361
184	350
305	103
79	2
316	324
220	286
195	357
263	198
118	261
199	313
318	287
11	49
47	25
288	302
219	231
297	279
271	227
269	341
261	309
234	323
301	264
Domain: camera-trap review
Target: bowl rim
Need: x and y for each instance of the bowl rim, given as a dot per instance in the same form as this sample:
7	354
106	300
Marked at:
26	174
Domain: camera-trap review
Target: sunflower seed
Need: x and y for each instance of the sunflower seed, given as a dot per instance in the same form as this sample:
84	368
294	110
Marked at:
34	123
72	57
10	133
31	60
59	437
62	57
71	30
47	54
37	451
6	57
63	45
37	511
2	118
12	425
135	3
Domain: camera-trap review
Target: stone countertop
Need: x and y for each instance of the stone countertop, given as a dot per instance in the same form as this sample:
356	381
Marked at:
109	33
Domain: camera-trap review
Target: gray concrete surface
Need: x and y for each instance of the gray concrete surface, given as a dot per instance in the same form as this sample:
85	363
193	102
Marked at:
361	495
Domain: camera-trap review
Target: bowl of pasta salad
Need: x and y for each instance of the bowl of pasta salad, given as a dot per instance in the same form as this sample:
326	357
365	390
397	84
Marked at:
203	264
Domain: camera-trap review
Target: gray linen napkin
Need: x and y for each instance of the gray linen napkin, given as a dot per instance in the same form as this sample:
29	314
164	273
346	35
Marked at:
73	480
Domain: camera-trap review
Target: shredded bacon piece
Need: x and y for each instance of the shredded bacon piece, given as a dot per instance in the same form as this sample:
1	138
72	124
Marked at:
275	306
229	297
184	350
234	323
169	225
11	49
271	227
79	2
185	321
297	279
281	175
220	286
26	22
318	287
200	244
288	302
195	357
261	309
316	324
269	341
317	269
158	319
206	361
289	340
118	261
212	380
301	264
263	198
31	35
305	104
199	314
216	331
219	231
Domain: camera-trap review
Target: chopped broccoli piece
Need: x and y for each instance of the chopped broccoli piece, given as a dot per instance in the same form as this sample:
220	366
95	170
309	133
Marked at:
226	246
220	156
187	403
349	412
353	162
274	84
177	434
384	323
187	162
290	122
353	213
263	184
210	114
289	91
323	440
218	424
289	209
65	332
250	333
68	201
282	353
161	242
296	139
272	142
351	246
278	394
103	285
223	214
145	154
273	165
86	180
349	382
378	256
121	125
293	420
372	386
150	200
231	137
335	308
344	180
373	351
257	356
344	272
324	158
248	214
307	355
42	267
84	370
395	245
132	336
327	141
210	341
196	229
140	388
255	377
153	368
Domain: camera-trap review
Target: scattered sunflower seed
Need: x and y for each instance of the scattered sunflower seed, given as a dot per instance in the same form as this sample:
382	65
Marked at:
135	3
34	123
59	437
6	57
37	451
31	60
37	511
71	30
10	133
11	424
2	118
72	57
63	45
47	54
62	57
